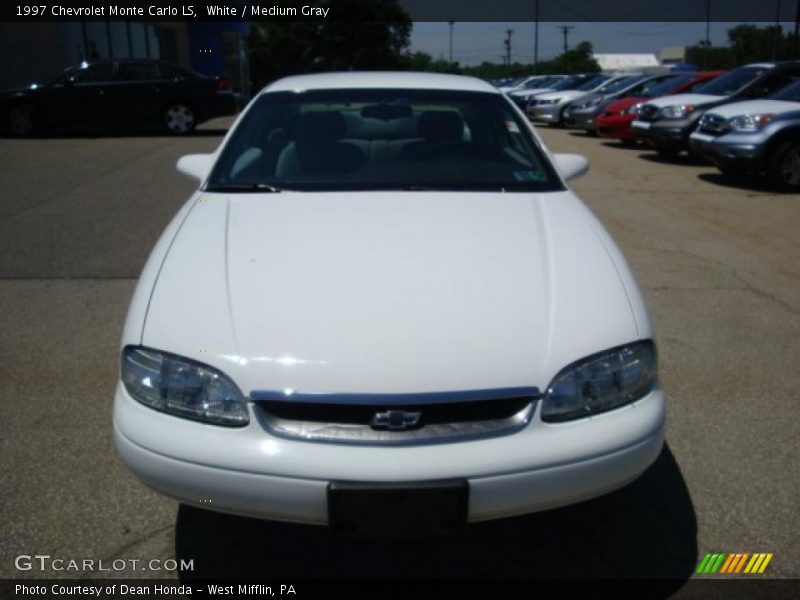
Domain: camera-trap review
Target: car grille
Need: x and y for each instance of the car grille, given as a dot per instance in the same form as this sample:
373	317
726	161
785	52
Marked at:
713	125
396	419
648	112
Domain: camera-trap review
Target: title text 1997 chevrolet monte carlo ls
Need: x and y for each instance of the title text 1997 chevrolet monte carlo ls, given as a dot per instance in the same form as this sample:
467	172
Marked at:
384	304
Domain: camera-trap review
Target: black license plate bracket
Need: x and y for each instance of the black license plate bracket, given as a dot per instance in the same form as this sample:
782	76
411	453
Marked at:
398	508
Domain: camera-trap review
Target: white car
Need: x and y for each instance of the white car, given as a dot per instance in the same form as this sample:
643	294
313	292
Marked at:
383	303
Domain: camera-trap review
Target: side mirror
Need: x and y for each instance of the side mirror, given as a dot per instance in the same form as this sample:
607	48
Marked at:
571	166
196	166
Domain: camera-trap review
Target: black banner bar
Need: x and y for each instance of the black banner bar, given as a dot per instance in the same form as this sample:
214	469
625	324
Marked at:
417	10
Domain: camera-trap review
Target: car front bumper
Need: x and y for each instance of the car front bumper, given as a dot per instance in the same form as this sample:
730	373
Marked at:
549	113
732	151
616	126
580	118
246	471
671	135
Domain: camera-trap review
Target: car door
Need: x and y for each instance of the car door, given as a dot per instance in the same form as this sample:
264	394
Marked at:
139	93
80	99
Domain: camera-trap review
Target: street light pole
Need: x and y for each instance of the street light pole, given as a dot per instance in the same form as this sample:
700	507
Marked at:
536	38
451	23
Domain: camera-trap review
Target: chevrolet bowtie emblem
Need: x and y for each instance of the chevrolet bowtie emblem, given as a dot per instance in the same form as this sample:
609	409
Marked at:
395	420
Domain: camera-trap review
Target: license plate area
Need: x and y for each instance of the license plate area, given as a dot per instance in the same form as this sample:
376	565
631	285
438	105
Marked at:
400	509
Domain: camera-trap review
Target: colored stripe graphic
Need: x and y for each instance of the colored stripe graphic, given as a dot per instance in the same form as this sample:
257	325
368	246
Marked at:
734	563
701	568
718	564
727	565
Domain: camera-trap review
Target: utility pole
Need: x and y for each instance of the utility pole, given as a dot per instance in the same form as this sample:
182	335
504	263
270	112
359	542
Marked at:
536	38
777	34
707	43
796	30
565	30
451	23
509	33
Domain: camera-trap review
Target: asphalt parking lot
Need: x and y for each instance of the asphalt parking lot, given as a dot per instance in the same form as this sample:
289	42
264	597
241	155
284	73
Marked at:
716	259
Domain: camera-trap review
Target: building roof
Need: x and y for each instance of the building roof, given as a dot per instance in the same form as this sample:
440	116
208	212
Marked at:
624	62
380	79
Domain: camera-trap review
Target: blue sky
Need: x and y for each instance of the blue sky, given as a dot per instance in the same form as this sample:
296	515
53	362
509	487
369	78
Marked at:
475	42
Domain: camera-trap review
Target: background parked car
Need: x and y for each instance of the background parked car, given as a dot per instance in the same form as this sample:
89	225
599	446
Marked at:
757	136
615	121
568	82
582	113
519	83
666	123
549	107
539	85
117	95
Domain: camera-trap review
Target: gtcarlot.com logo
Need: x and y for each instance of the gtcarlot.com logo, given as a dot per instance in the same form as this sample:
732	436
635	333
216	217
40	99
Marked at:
45	562
734	563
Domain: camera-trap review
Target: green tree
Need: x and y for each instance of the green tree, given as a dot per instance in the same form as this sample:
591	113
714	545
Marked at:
577	60
422	61
374	35
746	44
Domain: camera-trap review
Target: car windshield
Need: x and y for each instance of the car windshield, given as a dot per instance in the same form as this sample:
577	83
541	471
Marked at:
731	82
568	83
539	82
622	84
668	85
791	93
382	139
592	83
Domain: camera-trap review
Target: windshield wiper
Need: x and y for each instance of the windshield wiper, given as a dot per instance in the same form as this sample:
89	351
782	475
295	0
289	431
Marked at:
243	187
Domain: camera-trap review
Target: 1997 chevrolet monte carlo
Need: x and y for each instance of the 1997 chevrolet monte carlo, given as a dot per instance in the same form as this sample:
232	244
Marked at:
384	304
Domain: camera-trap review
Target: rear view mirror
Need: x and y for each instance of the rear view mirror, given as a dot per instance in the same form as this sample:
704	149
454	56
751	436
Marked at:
196	166
571	166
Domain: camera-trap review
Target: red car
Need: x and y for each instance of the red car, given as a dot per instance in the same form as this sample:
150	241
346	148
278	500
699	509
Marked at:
615	121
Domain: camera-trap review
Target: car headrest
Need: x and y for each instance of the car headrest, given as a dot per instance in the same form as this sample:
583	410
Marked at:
322	127
441	126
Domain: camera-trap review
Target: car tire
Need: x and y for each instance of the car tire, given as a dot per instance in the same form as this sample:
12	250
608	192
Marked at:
667	153
23	120
179	118
783	171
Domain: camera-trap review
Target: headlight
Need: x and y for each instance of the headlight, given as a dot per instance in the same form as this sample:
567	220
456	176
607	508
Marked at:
550	101
676	111
182	387
632	110
749	122
601	382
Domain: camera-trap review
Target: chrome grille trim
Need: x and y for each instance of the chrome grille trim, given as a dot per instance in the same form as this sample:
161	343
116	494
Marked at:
507	414
713	124
648	112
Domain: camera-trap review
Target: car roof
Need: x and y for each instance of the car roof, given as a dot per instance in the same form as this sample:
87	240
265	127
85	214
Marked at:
380	79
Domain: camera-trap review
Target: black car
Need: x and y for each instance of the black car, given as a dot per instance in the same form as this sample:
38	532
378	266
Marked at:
117	95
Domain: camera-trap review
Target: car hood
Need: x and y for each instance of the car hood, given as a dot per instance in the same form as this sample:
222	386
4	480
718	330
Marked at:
756	106
23	89
685	99
623	103
391	292
529	91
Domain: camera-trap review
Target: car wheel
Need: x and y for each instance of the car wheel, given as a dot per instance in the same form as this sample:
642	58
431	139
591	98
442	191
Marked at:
23	120
784	168
179	118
